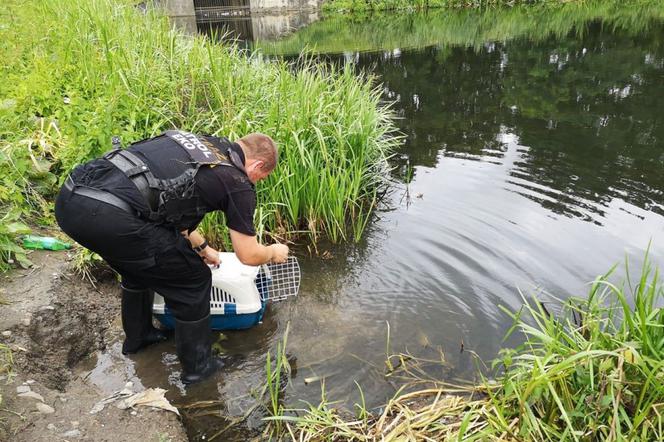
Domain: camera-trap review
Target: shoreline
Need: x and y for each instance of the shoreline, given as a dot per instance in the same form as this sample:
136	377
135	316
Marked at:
58	326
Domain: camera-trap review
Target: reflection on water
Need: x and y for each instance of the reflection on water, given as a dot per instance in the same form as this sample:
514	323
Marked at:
533	154
586	112
257	27
232	20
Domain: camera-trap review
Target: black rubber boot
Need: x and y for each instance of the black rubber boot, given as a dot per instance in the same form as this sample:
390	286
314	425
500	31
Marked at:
137	320
193	343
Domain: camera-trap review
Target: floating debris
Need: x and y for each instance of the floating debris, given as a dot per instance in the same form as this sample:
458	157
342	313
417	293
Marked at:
152	397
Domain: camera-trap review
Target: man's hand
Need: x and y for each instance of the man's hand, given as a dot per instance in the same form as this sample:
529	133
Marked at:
210	256
279	253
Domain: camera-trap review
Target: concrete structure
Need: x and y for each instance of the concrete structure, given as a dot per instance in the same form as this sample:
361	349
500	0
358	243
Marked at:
257	26
245	19
261	6
272	26
258	6
182	14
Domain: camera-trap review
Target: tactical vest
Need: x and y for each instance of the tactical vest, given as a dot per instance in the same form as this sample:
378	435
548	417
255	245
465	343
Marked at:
175	200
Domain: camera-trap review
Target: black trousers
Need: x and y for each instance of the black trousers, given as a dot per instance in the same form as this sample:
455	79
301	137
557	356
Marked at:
147	255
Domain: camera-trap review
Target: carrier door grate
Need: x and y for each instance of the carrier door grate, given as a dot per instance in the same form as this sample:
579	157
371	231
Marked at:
277	282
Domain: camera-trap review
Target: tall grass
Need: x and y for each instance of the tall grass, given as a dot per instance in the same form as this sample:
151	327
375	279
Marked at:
591	371
98	68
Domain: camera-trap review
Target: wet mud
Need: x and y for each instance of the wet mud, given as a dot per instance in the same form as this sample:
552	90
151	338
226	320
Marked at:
64	333
57	325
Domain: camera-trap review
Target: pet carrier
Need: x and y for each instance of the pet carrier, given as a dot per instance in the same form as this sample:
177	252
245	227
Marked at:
240	293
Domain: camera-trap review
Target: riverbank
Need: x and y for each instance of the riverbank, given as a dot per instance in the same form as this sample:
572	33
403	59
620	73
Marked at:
55	325
590	367
84	78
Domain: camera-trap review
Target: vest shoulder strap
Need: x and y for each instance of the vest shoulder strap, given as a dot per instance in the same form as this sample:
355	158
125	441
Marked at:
139	173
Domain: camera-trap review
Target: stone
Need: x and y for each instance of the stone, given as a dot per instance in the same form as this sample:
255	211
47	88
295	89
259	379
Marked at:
51	427
72	433
22	389
32	395
45	409
7	334
30	381
74	424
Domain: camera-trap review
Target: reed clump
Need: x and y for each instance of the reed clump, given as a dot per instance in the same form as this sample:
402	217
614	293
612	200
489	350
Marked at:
591	371
75	73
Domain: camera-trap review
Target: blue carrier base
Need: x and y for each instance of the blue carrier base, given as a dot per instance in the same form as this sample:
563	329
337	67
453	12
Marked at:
228	321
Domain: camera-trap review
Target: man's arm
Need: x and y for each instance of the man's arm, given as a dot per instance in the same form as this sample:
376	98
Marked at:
195	238
209	255
250	252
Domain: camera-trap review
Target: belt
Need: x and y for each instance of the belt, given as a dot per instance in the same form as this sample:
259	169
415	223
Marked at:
99	195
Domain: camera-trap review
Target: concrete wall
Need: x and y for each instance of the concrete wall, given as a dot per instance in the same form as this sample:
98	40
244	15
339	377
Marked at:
273	26
178	8
181	13
260	6
269	19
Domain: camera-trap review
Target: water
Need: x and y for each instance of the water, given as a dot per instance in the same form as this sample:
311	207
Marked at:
532	161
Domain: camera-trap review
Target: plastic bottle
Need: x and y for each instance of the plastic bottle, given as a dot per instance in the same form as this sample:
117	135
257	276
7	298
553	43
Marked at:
44	243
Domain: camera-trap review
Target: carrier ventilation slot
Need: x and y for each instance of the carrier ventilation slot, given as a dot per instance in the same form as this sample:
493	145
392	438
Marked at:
219	297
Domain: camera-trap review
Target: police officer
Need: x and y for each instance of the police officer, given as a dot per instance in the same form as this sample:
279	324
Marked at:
139	208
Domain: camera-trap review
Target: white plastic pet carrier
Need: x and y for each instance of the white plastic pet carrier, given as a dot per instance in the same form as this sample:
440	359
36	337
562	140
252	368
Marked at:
240	293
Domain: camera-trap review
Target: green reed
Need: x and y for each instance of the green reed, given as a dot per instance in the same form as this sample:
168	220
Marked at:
98	68
277	378
589	370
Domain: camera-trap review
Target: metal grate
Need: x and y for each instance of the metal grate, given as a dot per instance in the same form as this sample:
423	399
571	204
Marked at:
222	4
213	10
277	282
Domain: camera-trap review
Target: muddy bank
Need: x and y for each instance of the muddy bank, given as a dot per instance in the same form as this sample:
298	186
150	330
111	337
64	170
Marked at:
57	326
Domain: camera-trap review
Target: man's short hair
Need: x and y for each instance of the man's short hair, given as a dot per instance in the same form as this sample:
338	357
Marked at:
261	147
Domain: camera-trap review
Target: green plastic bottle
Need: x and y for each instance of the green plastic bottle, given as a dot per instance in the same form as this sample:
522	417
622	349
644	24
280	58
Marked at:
44	243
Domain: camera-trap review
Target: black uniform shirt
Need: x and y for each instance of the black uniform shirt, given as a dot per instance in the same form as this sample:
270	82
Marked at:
220	187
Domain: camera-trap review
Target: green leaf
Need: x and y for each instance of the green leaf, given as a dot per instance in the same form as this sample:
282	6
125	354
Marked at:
464	425
23	260
607	399
18	228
